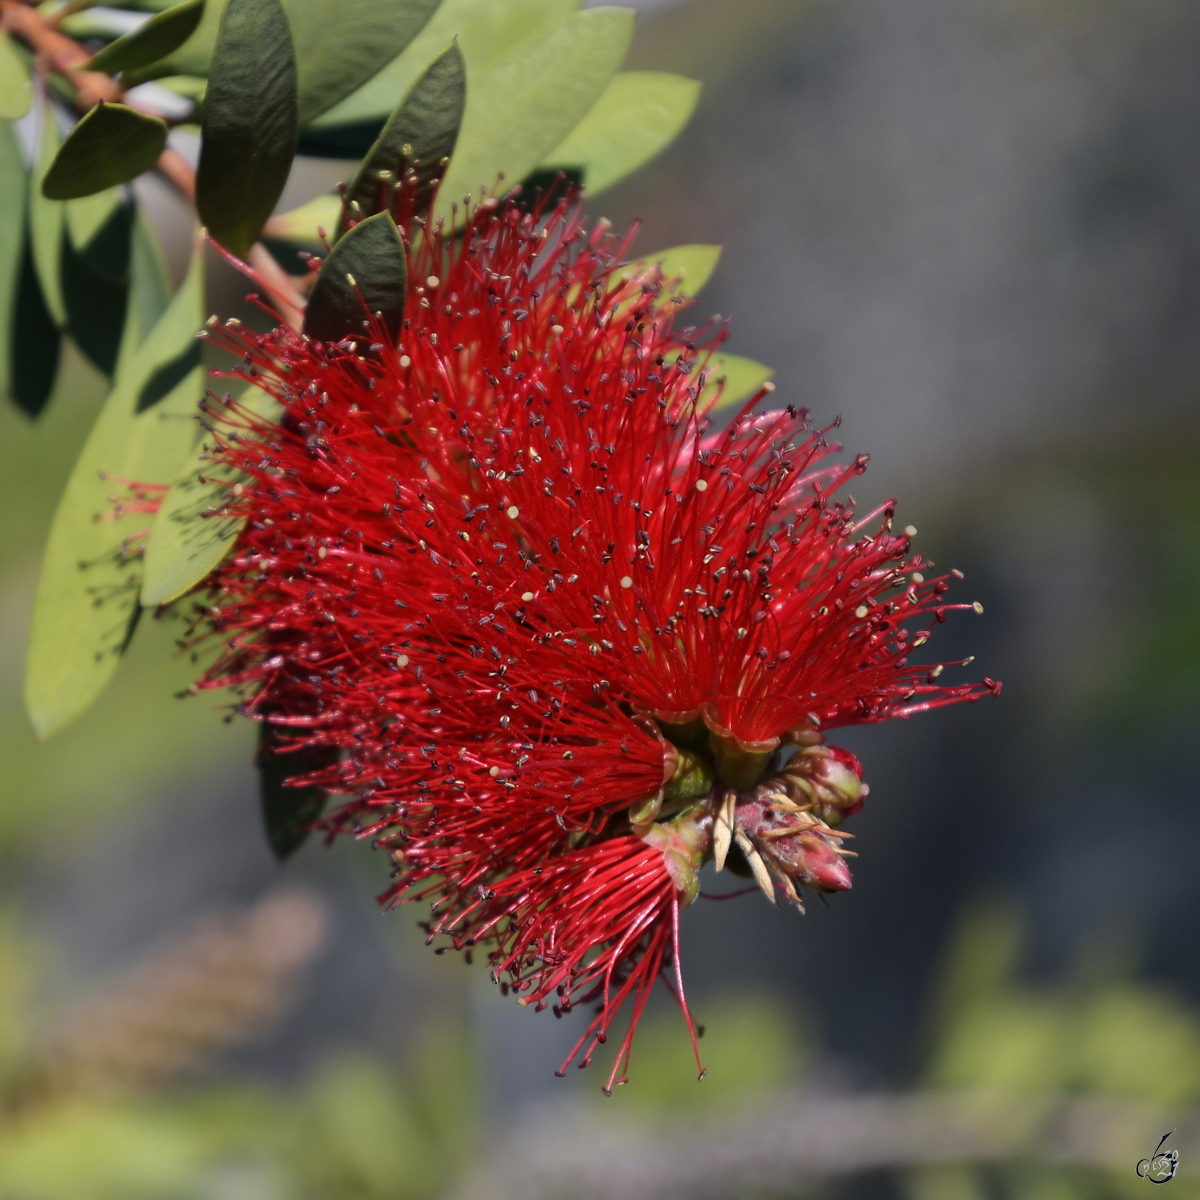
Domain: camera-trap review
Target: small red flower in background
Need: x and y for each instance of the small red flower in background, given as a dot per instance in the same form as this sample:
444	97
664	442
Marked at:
560	629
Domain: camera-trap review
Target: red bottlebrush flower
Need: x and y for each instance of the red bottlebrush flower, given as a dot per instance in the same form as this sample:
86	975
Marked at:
559	627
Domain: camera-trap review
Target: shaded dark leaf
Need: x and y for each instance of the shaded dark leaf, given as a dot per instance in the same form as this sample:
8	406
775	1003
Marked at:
339	46
112	144
419	135
289	812
250	123
164	32
34	344
365	273
165	379
95	303
341	141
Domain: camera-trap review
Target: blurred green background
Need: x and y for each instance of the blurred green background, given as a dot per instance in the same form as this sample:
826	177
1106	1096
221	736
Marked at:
971	227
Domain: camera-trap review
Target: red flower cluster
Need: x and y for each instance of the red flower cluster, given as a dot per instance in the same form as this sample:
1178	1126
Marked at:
558	625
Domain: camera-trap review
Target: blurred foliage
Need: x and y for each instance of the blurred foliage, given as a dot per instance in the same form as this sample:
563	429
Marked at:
751	1043
1098	1032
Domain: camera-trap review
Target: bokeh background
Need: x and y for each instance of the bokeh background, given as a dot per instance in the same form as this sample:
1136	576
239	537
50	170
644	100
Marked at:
972	229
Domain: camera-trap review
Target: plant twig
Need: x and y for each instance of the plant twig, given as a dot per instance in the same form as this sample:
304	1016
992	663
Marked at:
770	1147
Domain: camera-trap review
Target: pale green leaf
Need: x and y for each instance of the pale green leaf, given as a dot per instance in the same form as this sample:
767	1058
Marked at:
736	378
191	534
485	29
12	235
685	269
88	215
340	46
46	222
524	104
87	597
16	88
639	114
303	225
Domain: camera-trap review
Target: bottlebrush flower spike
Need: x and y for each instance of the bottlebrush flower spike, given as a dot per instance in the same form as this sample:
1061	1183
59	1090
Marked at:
560	627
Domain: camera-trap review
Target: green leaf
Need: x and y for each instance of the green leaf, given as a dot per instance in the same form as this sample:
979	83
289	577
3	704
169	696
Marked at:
87	597
190	534
250	123
16	88
88	215
33	339
46	222
157	38
638	115
289	812
485	30
340	46
525	103
738	378
112	144
303	225
365	272
96	299
685	268
420	134
194	57
12	243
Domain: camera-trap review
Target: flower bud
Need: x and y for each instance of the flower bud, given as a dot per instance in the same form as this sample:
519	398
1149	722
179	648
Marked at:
795	845
827	777
684	843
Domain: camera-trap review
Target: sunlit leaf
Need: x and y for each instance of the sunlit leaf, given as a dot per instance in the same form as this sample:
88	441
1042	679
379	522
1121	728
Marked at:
289	812
88	215
420	135
250	123
158	37
485	29
16	88
738	378
46	222
87	597
303	225
12	240
112	144
685	268
523	104
639	113
340	46
190	534
365	272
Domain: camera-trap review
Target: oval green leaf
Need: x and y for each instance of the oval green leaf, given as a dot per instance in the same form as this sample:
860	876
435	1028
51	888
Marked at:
638	115
87	597
34	339
340	46
289	813
484	29
685	269
112	144
365	272
525	103
250	123
164	32
16	87
420	134
95	288
191	534
12	245
736	378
